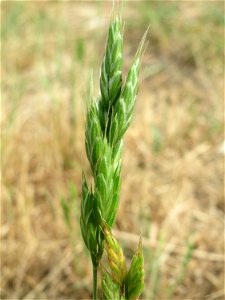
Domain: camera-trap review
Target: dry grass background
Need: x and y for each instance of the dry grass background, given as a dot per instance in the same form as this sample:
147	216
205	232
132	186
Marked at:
172	188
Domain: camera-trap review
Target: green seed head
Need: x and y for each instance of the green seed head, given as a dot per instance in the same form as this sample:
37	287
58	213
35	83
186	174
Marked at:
107	120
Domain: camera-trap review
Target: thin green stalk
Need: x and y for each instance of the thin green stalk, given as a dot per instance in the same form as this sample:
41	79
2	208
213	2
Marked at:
95	281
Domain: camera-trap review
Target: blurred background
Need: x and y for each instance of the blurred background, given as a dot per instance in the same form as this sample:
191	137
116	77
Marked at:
172	186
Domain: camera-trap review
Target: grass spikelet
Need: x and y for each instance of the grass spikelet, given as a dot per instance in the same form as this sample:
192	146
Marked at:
135	278
116	258
110	289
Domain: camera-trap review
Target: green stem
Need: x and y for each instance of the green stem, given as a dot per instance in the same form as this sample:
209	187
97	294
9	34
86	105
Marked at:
95	270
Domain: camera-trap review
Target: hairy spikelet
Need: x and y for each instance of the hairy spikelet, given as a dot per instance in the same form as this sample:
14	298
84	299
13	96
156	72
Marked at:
135	278
116	258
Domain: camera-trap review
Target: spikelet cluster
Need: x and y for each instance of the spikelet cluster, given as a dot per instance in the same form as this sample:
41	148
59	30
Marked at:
129	282
107	121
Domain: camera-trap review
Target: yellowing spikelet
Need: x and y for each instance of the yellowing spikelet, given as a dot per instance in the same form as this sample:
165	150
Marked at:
115	257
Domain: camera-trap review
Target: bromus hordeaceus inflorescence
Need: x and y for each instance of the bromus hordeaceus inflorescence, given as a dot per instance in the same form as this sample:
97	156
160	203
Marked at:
107	120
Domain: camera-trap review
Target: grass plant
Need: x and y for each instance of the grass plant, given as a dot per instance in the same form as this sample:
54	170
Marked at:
107	120
172	174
